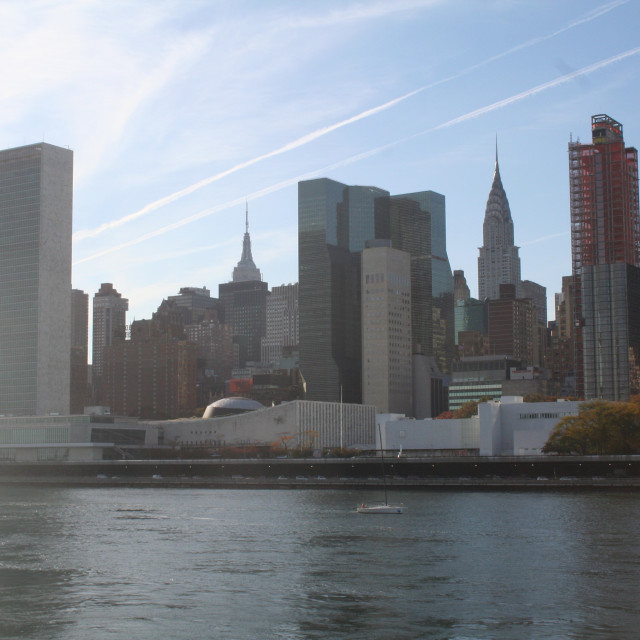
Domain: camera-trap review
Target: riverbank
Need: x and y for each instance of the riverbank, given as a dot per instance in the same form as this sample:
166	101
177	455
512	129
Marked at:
519	484
504	472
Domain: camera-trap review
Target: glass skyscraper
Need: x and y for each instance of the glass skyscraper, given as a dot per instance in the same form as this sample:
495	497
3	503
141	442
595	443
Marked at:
334	223
36	195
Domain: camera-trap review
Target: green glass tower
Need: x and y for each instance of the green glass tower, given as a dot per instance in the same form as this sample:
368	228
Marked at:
334	223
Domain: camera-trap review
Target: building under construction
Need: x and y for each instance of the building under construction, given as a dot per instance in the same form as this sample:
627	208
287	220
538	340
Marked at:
605	248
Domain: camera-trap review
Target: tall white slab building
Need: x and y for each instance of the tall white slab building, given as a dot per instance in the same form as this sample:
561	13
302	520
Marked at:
36	202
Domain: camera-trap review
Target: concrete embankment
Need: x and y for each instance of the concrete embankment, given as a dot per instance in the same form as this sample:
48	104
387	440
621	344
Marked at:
504	472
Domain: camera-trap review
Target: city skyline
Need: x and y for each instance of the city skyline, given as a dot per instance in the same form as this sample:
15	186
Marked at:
178	115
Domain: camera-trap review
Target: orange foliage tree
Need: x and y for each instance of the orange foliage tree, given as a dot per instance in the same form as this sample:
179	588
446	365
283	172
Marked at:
600	428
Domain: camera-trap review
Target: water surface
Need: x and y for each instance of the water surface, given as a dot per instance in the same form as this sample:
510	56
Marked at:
294	564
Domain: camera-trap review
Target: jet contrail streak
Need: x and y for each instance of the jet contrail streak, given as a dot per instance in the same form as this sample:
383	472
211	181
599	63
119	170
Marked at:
318	133
310	137
541	87
290	181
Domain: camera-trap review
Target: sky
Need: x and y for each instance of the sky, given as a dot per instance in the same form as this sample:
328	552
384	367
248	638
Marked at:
179	113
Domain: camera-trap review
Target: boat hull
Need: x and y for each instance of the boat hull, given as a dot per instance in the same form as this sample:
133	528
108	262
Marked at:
380	509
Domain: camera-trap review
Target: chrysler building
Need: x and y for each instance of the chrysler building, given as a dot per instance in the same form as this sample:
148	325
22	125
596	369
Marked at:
498	262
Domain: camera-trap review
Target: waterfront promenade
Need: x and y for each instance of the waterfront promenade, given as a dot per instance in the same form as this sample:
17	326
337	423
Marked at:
501	472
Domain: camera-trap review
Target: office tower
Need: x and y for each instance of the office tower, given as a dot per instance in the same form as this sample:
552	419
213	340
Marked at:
560	352
386	328
471	316
498	262
538	296
334	221
415	223
36	195
511	326
282	323
109	322
79	350
244	301
194	303
461	289
605	244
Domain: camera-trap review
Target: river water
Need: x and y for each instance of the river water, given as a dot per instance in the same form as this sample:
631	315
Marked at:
301	564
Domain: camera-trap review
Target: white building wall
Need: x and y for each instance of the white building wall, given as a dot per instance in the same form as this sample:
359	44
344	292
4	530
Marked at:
317	424
507	427
420	435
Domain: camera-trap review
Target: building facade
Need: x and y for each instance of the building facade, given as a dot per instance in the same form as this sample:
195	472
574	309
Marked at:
36	195
109	322
244	301
79	350
499	262
152	375
334	223
512	326
605	246
282	330
386	329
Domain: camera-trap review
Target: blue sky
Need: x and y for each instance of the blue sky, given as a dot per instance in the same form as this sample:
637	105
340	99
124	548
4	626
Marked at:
178	112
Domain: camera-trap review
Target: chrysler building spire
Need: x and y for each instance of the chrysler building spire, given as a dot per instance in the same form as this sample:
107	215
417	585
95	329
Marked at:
498	262
246	269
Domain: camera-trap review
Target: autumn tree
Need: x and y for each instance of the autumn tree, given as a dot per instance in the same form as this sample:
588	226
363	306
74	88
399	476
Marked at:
600	428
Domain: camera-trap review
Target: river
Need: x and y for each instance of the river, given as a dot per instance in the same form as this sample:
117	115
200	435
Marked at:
301	564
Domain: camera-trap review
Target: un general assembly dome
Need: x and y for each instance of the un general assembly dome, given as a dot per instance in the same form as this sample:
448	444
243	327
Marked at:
230	406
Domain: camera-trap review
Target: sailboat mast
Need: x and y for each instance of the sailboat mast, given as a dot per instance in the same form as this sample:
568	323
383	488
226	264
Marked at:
384	480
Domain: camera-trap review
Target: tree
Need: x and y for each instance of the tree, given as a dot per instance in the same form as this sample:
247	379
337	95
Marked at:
600	428
467	410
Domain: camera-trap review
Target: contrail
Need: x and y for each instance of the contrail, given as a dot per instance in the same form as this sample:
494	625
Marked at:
318	133
365	154
545	238
310	137
541	87
226	205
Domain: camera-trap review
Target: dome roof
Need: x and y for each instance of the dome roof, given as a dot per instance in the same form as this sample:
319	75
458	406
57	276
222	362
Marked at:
227	406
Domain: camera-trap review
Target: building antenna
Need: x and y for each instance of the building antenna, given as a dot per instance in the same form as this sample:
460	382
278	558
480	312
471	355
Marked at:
246	202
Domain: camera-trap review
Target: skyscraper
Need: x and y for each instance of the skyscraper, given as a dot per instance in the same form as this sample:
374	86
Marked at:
109	322
498	262
282	323
386	328
79	349
605	249
334	223
244	301
36	195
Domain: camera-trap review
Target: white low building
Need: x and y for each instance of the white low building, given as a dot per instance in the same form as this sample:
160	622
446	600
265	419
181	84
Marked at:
507	426
321	425
514	427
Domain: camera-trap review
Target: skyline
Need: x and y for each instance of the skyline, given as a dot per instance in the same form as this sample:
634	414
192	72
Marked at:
179	115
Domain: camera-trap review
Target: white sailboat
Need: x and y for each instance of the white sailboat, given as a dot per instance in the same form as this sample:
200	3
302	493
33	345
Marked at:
381	507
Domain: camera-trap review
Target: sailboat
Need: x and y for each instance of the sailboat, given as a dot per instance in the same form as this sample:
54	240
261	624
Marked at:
381	507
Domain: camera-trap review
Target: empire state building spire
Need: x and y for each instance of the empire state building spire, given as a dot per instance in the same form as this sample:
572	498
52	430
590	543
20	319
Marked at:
246	269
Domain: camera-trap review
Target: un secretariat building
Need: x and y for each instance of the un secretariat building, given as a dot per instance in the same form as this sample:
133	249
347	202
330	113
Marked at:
36	195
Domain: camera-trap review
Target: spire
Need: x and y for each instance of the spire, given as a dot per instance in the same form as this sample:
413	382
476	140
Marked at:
246	269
